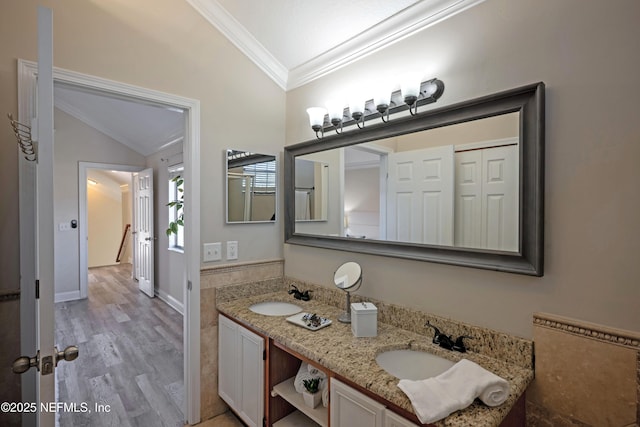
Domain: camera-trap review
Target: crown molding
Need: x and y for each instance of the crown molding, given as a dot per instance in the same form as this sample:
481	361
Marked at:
397	27
213	12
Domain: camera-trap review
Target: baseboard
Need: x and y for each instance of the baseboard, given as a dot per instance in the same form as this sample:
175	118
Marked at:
171	301
67	296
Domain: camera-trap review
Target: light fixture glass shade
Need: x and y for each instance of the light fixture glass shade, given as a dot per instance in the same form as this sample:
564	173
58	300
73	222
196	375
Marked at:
382	96
316	117
356	107
410	87
336	111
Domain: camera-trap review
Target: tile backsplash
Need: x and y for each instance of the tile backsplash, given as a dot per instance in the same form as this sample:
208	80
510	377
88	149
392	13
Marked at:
586	374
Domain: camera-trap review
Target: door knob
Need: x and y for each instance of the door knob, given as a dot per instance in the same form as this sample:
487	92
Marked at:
68	354
23	363
150	238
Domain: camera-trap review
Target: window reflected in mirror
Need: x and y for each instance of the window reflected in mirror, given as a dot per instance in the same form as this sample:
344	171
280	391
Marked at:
251	187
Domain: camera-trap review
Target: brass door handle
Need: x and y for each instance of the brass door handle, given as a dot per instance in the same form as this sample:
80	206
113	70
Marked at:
68	354
23	363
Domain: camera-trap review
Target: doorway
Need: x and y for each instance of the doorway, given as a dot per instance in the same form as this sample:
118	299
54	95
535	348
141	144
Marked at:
190	282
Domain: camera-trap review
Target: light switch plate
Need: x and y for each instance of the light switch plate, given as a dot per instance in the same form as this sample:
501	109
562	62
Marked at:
212	252
232	249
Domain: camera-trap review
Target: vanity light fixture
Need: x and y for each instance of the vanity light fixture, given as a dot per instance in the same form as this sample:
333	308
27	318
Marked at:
410	90
412	94
336	113
316	119
381	100
356	108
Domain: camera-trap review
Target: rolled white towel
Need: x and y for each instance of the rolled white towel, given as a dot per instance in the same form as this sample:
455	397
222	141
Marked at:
435	398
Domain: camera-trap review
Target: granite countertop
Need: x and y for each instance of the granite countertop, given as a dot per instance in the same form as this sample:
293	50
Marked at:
335	348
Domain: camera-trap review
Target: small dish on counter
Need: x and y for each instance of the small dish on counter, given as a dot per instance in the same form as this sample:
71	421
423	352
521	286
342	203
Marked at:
310	321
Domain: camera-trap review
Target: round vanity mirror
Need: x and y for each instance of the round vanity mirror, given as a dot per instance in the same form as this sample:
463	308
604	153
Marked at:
348	277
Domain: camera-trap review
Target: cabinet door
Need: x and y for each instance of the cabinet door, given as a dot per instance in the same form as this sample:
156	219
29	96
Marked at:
250	377
350	408
391	419
228	361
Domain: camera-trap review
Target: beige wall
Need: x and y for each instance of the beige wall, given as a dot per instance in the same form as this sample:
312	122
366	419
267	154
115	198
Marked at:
585	52
162	45
104	211
76	142
169	264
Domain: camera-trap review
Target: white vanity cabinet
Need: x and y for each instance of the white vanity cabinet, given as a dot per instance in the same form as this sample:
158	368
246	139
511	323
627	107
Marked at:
241	370
351	408
391	419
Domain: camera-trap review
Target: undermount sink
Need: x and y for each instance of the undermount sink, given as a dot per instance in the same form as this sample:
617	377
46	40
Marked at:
412	364
275	308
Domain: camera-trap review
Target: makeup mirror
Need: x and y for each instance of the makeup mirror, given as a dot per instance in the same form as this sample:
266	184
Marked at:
348	277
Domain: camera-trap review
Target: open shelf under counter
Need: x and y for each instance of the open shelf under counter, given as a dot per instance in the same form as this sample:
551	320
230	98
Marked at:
286	390
296	419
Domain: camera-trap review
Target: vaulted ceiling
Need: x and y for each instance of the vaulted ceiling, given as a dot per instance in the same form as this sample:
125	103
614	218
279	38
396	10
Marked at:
293	41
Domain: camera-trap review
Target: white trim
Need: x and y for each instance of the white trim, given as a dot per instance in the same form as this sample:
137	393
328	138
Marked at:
67	296
191	148
83	215
218	16
514	140
399	26
406	23
170	301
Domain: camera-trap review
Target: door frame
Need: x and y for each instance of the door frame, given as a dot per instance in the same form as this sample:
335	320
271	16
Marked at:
27	72
83	214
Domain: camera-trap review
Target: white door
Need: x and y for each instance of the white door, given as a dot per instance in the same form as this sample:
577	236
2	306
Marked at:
143	196
500	198
36	211
487	198
420	196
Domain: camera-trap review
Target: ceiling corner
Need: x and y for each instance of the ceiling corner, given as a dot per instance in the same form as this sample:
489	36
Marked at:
213	12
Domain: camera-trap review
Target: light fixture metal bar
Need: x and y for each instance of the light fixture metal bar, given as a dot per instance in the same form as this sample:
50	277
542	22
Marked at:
397	105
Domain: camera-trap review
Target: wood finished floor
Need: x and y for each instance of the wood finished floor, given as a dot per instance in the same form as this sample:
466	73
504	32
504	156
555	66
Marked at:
131	354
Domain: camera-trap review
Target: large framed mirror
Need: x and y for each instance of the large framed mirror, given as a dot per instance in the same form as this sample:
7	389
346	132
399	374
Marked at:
251	183
461	185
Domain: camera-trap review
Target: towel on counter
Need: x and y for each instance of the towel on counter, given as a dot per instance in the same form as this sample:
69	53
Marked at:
437	397
305	373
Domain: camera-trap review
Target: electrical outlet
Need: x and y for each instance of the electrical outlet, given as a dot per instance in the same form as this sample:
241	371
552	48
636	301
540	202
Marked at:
232	249
212	252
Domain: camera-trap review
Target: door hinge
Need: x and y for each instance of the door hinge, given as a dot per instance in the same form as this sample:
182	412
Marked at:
37	289
189	285
264	354
264	421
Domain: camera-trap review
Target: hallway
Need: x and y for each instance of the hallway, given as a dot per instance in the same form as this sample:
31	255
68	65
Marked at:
131	354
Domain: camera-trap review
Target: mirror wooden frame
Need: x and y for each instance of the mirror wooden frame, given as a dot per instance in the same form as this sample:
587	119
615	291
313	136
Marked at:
529	102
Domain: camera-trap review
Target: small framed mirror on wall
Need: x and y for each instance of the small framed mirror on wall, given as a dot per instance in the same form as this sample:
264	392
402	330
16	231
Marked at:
251	187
